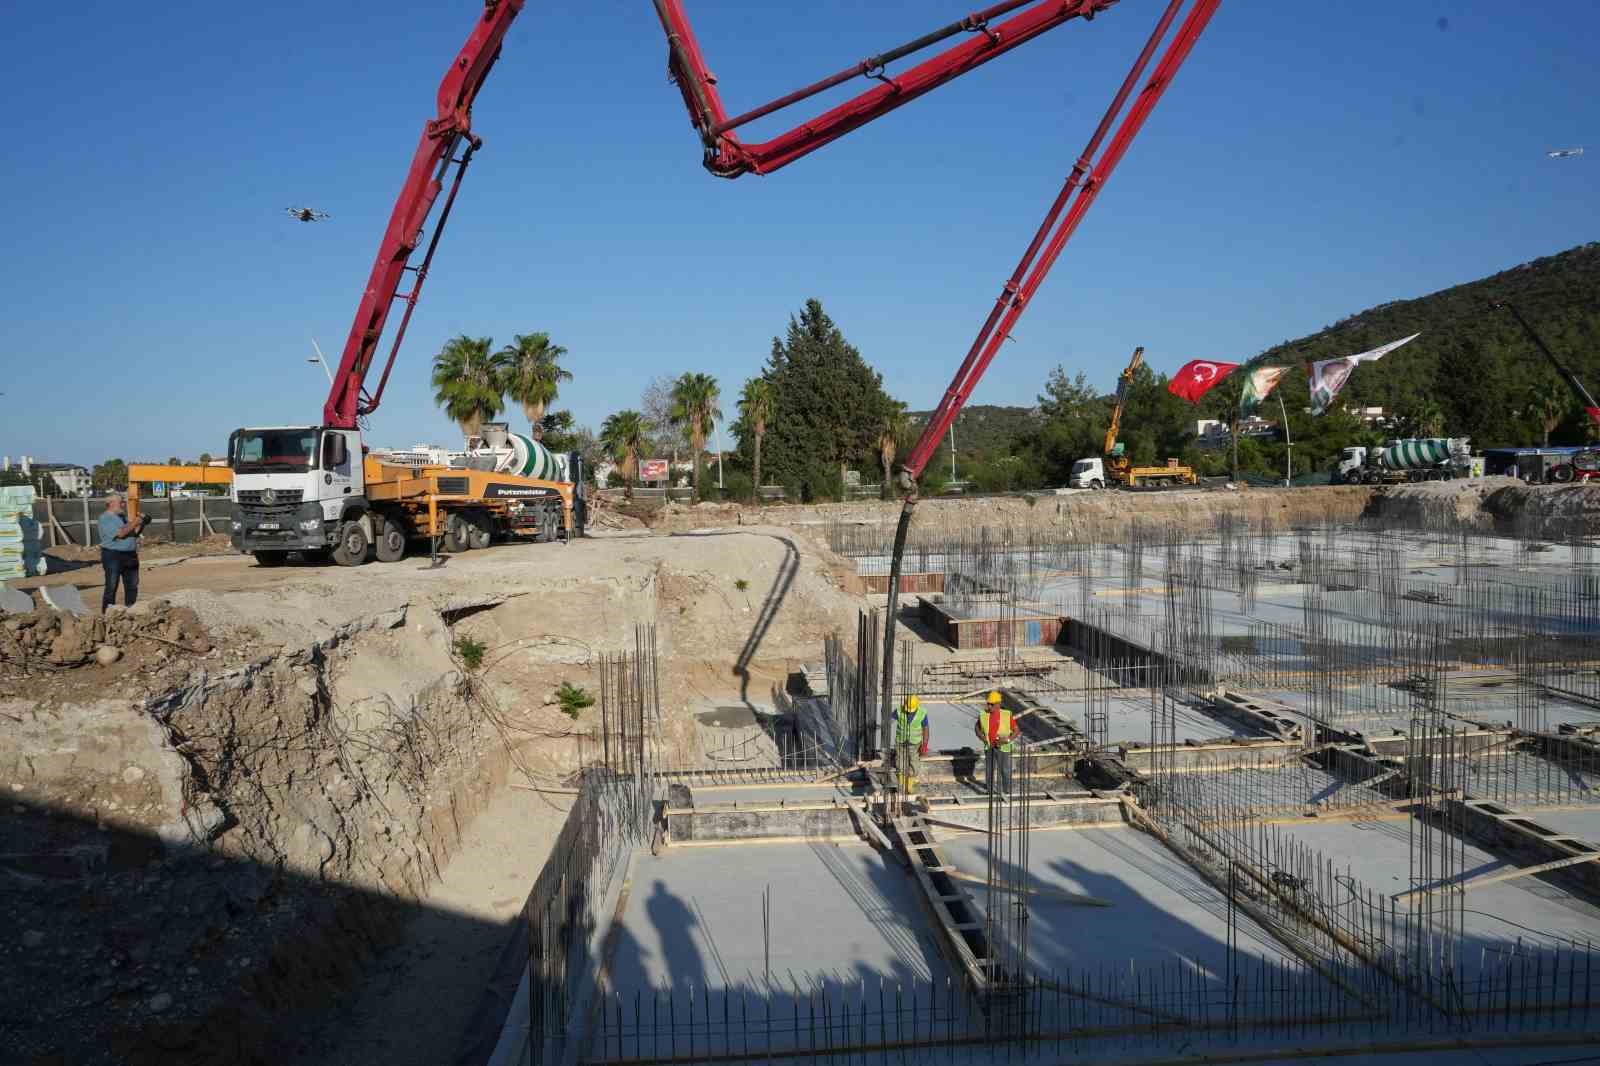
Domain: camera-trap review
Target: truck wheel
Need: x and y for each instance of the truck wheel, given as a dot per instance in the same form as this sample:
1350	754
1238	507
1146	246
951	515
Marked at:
391	546
270	558
480	529
1562	474
1097	484
455	533
350	547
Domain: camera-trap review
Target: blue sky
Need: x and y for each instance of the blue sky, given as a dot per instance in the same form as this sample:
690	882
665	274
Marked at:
1311	160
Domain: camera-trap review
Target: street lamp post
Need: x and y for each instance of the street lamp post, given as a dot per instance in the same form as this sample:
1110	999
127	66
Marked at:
1288	445
717	430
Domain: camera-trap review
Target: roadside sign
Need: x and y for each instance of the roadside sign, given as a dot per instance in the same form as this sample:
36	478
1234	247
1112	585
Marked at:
158	488
653	470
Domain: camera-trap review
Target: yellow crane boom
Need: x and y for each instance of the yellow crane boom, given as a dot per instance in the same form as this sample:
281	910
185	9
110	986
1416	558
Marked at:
1122	394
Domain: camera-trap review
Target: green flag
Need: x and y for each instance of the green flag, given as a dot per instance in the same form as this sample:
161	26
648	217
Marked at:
1257	387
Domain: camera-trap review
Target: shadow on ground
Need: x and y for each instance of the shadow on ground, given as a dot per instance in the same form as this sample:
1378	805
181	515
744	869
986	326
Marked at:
116	951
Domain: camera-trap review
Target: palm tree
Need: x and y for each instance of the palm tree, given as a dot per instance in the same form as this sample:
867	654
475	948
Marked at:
622	435
534	374
890	429
755	404
694	406
1547	405
469	382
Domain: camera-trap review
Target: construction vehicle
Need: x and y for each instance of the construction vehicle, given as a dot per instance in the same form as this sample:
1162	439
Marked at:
316	491
1116	468
1398	461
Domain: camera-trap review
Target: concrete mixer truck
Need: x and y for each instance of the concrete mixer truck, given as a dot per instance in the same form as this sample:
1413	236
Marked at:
1428	459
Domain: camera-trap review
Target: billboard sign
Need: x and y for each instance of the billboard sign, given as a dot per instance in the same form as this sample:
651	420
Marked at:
653	470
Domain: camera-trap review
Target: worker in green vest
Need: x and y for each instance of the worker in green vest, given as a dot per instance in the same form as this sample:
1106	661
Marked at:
995	728
910	743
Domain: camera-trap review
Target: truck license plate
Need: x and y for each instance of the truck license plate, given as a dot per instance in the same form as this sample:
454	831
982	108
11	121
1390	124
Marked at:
268	525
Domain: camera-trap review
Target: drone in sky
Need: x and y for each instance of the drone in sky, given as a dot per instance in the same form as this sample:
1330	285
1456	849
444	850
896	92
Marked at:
1564	153
306	214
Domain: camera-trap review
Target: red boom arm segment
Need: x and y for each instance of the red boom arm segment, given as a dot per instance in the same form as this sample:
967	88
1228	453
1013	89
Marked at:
1024	282
729	157
436	153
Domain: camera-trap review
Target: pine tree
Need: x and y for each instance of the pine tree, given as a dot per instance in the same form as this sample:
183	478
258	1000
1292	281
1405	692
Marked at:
828	406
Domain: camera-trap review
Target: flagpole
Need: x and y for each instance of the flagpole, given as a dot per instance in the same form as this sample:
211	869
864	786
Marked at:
1288	475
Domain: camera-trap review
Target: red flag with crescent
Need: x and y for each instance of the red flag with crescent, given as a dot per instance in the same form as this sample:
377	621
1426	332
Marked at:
1197	377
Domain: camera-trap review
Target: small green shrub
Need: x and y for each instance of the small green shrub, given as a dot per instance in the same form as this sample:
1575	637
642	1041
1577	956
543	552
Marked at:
573	699
471	652
741	584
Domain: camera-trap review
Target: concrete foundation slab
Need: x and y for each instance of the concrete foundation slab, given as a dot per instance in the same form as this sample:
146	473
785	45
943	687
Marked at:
839	916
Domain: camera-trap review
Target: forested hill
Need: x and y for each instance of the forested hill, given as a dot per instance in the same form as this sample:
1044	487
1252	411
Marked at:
1473	361
985	429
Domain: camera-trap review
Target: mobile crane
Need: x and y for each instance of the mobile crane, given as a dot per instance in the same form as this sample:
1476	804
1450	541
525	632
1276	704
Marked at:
1115	468
989	33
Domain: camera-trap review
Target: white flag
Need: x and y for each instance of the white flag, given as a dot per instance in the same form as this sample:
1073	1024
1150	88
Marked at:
1329	376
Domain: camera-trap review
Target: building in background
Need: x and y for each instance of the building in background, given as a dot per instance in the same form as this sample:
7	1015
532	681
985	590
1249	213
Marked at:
70	479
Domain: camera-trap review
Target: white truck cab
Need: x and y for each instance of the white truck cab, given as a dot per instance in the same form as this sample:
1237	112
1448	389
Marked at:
1087	474
1352	463
297	488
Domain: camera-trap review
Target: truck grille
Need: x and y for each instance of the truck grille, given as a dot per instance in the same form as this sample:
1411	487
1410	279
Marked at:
452	486
255	497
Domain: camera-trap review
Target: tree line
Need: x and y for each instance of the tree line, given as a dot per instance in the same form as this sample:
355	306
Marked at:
817	409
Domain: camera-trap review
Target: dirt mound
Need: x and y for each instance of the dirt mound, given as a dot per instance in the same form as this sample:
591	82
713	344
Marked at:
67	656
1493	503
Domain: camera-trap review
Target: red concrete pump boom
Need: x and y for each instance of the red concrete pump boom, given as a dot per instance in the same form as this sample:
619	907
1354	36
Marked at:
448	143
442	137
727	156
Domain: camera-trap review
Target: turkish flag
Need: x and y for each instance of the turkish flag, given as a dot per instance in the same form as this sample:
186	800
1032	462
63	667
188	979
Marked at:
1197	377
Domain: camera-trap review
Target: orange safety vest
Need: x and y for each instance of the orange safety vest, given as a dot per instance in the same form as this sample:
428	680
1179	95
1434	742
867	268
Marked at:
995	728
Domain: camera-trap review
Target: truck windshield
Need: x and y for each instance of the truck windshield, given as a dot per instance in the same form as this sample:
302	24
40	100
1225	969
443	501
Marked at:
1082	466
260	450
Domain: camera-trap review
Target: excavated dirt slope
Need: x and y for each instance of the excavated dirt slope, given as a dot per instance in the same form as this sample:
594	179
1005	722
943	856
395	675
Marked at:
1081	512
313	759
1495	503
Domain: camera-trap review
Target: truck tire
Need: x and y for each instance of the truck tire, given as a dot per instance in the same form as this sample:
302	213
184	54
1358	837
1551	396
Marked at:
1562	474
1097	484
455	534
350	546
391	546
270	558
480	529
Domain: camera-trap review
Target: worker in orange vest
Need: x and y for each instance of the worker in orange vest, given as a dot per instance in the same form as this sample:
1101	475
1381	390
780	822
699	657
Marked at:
995	728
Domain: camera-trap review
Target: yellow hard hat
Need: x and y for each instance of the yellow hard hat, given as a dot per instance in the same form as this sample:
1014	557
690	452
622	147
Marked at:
912	703
994	697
